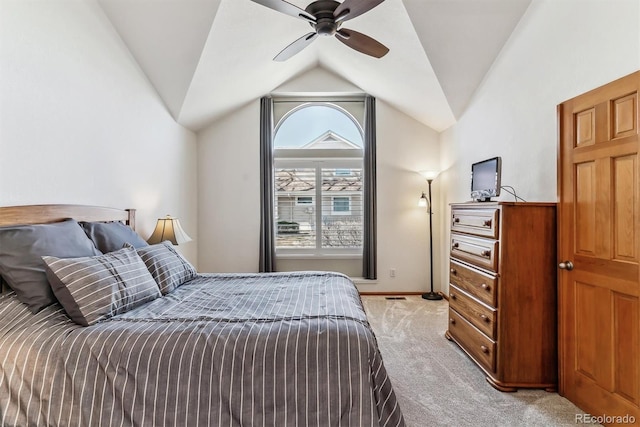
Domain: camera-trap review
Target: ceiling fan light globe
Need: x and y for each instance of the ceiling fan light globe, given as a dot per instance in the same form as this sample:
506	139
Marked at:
326	28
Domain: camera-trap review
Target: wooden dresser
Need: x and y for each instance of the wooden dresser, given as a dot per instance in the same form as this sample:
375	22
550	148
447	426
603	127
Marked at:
502	291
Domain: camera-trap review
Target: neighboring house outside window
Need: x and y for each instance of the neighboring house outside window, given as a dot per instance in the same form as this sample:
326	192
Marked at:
328	169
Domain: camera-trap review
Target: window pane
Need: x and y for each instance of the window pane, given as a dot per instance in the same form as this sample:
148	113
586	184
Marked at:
294	207
318	151
342	208
318	126
304	200
343	172
341	204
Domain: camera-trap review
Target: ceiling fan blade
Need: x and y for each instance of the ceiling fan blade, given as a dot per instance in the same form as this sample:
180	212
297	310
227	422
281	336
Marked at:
287	8
362	43
295	47
352	8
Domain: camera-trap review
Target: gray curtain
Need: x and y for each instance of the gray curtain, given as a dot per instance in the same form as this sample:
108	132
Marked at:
369	253
267	232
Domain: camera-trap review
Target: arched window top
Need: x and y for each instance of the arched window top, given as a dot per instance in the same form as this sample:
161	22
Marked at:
318	122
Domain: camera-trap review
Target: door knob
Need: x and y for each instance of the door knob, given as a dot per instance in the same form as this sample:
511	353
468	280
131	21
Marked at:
566	265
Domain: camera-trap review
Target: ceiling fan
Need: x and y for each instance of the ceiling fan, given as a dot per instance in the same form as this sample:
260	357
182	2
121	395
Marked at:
326	18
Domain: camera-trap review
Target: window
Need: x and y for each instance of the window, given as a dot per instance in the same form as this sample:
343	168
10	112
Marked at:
341	205
304	200
318	155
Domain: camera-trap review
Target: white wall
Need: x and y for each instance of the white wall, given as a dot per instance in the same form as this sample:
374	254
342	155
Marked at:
229	192
405	146
228	203
80	123
560	49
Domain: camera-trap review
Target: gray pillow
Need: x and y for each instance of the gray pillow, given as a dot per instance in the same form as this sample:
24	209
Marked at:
96	288
111	236
167	266
21	251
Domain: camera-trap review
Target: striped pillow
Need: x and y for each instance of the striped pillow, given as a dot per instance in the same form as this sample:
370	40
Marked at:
167	266
96	288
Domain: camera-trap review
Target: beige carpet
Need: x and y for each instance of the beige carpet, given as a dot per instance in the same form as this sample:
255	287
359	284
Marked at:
438	385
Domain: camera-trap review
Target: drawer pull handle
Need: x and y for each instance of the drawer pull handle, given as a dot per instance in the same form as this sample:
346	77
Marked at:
453	296
486	253
484	349
452	321
485	317
456	219
453	271
487	223
485	287
455	245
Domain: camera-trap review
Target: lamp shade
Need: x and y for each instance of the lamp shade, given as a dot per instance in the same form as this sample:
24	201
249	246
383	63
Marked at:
423	202
169	228
430	175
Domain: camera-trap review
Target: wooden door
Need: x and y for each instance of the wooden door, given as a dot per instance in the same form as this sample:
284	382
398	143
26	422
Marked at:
599	236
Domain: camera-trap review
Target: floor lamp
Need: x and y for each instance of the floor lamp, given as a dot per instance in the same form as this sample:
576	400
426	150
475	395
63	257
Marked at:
426	202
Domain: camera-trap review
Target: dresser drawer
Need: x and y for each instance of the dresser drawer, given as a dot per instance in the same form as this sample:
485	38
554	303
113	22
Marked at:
481	222
481	348
482	317
481	285
480	252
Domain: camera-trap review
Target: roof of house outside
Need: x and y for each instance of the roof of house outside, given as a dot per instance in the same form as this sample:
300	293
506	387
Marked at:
294	181
330	140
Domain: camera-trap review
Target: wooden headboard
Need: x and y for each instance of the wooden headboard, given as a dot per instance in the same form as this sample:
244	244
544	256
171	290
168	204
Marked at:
43	214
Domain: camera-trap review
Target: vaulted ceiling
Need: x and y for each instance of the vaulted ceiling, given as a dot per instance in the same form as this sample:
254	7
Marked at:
207	58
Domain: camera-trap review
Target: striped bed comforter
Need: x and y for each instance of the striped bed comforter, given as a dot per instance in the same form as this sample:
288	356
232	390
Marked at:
281	349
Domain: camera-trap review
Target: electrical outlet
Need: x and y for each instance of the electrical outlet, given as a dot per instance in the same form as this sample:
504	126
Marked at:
392	272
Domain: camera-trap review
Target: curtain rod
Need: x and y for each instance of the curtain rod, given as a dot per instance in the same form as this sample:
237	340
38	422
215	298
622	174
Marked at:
319	99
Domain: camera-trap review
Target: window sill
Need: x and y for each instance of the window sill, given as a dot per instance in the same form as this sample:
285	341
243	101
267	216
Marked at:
318	256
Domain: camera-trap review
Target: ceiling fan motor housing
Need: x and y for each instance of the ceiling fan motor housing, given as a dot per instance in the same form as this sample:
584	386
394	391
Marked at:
325	21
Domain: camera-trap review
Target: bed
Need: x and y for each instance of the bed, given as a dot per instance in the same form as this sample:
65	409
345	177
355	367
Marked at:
280	349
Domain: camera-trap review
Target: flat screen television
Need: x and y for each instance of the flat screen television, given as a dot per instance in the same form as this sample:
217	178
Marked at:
485	179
